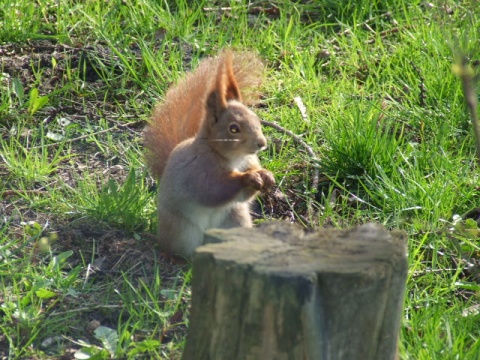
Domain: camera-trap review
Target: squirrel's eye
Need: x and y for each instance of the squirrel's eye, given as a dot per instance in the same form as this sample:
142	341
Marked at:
234	128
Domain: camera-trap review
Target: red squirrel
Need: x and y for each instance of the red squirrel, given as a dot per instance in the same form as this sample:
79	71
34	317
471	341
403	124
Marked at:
202	144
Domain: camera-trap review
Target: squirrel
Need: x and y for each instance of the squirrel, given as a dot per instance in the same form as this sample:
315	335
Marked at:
201	144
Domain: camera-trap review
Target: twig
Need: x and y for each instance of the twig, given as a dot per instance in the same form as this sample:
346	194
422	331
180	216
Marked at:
43	46
467	76
116	127
101	306
431	271
423	89
8	193
75	139
300	141
87	308
272	10
364	23
386	33
217	9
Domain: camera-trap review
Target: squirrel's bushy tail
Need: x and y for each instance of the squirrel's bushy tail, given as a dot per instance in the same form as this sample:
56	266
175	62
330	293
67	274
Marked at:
180	115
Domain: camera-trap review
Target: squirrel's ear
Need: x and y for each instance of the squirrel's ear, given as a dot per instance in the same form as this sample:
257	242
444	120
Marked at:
227	87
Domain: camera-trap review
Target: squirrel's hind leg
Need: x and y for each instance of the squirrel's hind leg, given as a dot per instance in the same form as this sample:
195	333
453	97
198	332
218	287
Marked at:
238	216
177	235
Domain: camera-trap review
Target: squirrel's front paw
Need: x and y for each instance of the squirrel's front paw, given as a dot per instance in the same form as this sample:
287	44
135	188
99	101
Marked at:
259	179
268	179
253	179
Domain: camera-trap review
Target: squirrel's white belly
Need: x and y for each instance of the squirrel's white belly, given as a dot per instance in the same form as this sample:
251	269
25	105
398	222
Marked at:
207	217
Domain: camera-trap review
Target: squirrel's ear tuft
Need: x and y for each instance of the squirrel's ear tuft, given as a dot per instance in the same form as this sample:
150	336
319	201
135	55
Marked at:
227	86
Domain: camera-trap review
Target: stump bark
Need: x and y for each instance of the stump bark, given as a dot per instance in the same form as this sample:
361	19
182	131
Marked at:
281	292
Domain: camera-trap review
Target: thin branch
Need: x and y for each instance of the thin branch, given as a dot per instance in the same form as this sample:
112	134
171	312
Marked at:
217	9
386	33
365	23
419	273
467	75
101	306
87	309
301	142
8	193
421	86
116	127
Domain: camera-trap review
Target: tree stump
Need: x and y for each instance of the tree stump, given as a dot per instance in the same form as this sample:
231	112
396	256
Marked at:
282	292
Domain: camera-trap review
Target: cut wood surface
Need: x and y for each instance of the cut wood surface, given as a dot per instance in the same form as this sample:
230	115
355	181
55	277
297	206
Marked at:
282	292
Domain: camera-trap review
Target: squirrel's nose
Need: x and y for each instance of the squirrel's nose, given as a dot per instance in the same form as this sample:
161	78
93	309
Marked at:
262	143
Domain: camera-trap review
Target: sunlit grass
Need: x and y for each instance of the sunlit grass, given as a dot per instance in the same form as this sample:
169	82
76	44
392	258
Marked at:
385	116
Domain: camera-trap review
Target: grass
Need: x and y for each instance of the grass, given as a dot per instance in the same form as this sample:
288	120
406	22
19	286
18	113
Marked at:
386	118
